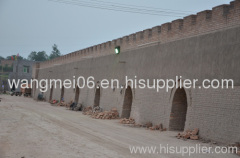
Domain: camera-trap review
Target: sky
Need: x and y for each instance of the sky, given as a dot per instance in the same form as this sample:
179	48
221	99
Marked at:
35	25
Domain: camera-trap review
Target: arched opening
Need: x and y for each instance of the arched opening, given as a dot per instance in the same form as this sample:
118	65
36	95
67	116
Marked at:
51	93
77	95
62	94
179	110
13	87
127	103
97	98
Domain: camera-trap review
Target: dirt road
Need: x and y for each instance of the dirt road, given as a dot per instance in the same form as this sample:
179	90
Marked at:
33	129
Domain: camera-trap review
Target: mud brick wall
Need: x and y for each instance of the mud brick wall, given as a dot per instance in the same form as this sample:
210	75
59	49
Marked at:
220	17
201	46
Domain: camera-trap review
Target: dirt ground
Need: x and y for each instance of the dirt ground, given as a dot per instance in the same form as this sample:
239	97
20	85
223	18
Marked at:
33	129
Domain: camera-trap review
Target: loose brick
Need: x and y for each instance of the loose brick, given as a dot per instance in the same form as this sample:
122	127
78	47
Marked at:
195	131
194	137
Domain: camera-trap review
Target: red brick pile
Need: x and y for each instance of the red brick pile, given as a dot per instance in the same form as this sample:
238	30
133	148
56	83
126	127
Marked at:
62	103
88	110
148	125
127	121
97	109
53	101
112	114
235	145
189	134
69	104
157	127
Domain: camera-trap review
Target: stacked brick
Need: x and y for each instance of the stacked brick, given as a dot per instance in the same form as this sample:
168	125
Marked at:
189	134
62	103
112	114
88	110
235	147
127	121
53	102
158	127
148	125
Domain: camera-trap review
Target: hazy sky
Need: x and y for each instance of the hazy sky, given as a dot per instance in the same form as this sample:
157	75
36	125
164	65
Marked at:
35	25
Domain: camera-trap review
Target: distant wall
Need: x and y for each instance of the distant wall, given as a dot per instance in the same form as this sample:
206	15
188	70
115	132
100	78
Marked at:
6	62
18	73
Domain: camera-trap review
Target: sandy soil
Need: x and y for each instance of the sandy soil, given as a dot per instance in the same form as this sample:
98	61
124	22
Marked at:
33	129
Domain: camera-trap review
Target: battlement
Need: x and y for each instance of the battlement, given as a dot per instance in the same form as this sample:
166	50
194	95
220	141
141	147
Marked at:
219	17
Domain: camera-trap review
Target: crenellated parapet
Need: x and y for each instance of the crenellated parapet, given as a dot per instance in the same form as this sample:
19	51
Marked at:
219	17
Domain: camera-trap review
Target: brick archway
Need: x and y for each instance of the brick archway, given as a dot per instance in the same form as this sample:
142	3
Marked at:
127	103
97	97
51	93
62	93
178	111
77	91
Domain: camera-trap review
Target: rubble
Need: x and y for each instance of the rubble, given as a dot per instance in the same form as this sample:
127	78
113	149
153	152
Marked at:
112	114
195	131
69	104
87	110
194	137
158	127
97	109
236	151
62	103
97	114
53	101
76	107
189	134
148	125
127	121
